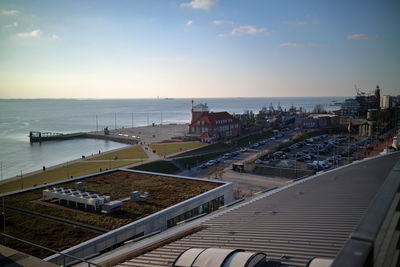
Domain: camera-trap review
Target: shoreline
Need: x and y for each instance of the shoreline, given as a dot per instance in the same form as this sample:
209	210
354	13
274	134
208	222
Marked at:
146	132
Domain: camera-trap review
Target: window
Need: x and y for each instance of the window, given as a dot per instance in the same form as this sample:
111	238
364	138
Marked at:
205	208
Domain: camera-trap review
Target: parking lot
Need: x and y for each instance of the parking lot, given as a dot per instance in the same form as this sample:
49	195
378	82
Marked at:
244	153
318	153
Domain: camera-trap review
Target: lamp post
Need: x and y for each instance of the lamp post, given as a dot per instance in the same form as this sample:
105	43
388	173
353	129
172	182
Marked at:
4	217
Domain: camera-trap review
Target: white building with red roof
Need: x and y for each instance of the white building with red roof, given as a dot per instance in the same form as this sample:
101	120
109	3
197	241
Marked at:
211	126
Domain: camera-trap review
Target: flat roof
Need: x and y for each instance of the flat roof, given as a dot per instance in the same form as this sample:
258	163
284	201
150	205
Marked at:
313	217
45	222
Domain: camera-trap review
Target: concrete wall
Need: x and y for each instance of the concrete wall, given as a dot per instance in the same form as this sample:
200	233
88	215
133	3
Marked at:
290	173
147	225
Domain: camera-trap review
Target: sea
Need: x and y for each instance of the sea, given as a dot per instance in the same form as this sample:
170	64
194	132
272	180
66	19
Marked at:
20	116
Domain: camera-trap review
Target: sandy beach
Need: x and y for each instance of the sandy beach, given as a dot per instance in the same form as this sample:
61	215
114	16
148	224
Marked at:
152	134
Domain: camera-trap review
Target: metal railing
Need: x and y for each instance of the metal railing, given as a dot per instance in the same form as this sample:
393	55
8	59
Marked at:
65	256
375	241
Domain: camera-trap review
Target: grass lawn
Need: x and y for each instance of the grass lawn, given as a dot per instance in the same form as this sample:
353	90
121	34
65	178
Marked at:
132	152
61	173
245	141
171	148
161	166
194	160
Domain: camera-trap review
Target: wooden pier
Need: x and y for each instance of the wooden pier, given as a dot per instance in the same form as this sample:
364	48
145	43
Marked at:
39	137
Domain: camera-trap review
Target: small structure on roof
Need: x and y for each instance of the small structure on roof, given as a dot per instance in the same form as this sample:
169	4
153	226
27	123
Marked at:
209	257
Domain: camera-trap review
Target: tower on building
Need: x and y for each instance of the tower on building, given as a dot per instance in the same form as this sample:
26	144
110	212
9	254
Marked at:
199	110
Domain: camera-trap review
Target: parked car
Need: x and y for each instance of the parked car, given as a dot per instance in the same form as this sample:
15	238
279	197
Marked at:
235	153
203	166
255	145
210	163
227	155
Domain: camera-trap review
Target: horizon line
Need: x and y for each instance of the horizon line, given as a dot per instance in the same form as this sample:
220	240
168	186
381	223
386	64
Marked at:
163	98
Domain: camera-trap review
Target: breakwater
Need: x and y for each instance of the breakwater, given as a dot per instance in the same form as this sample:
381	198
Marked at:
39	137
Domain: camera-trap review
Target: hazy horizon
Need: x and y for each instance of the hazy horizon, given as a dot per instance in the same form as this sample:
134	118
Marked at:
197	48
163	98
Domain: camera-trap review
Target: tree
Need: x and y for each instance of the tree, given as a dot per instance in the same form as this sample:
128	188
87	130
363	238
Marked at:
319	109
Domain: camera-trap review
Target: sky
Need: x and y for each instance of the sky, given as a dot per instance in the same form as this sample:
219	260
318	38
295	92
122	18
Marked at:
198	48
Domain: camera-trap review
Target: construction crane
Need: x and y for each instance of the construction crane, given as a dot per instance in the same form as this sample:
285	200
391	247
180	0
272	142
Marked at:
361	93
358	91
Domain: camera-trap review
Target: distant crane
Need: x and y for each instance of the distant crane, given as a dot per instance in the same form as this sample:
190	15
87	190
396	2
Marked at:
361	93
358	91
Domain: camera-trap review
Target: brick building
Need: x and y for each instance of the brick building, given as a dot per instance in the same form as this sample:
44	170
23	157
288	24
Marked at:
211	126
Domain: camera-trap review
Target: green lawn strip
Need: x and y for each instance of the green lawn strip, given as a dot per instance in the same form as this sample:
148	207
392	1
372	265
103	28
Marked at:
160	166
245	141
195	160
171	148
43	232
75	169
218	147
132	152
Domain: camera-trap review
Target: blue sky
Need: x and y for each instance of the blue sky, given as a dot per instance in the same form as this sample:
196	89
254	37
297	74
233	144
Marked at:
197	48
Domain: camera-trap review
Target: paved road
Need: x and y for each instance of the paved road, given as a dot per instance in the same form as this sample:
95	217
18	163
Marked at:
247	183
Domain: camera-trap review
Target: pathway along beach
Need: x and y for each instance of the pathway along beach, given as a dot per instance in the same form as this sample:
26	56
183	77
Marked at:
147	134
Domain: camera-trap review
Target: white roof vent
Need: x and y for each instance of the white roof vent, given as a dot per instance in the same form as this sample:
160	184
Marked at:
210	257
320	262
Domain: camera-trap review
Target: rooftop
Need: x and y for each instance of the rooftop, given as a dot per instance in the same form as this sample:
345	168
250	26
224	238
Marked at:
313	217
59	226
212	118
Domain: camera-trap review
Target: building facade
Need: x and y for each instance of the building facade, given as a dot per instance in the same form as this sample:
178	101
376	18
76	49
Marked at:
386	102
211	126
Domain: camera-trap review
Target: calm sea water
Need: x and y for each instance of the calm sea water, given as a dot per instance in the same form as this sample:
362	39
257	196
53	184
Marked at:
19	116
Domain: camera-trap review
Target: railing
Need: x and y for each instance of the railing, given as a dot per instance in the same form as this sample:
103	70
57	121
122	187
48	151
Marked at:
65	256
375	241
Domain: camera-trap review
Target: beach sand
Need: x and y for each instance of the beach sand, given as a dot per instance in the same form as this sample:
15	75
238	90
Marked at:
154	134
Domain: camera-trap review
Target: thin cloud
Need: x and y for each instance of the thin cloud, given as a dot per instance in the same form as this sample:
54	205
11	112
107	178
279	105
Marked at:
4	12
290	44
301	22
358	36
12	25
55	37
199	4
247	30
189	23
298	45
32	34
220	22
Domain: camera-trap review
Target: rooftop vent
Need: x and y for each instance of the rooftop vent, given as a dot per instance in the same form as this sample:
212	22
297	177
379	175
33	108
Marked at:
210	257
135	196
320	262
80	186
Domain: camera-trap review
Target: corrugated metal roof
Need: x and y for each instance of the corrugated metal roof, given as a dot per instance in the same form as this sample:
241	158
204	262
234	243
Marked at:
313	218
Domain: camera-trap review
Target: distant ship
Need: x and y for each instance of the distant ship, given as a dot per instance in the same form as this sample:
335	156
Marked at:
335	103
167	98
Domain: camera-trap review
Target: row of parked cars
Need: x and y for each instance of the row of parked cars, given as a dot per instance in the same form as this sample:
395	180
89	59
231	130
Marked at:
339	153
218	160
310	149
276	136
